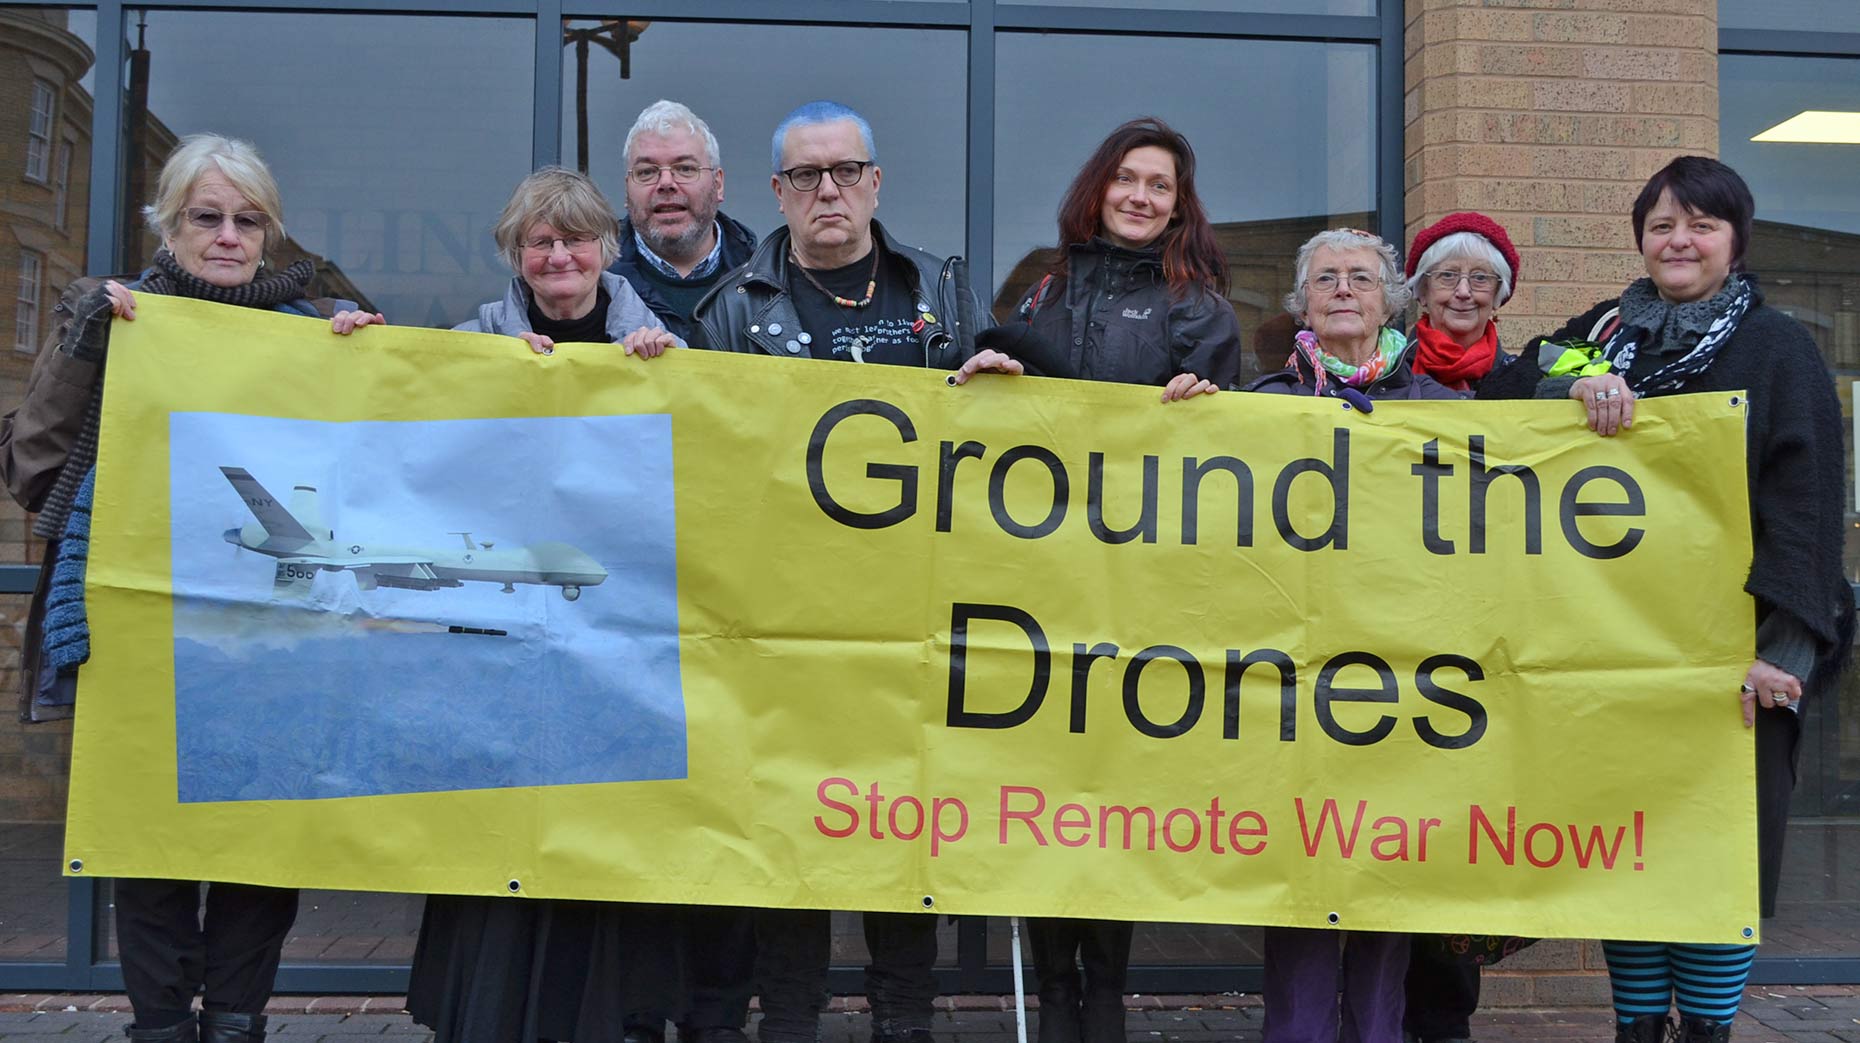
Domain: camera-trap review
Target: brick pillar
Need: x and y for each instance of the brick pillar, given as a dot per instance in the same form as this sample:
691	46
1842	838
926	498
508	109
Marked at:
1548	116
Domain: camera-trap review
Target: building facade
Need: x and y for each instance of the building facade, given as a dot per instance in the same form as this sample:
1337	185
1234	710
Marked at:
397	130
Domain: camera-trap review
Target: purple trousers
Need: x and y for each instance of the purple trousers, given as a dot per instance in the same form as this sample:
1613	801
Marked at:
1306	969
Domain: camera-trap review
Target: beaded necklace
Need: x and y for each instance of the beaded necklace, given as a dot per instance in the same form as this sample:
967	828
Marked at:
871	283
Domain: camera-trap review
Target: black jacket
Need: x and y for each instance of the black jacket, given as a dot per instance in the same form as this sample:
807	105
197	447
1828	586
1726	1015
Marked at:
739	243
1112	319
739	311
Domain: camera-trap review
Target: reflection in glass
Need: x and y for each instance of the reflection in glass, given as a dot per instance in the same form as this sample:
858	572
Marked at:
1805	249
393	162
45	67
1270	175
752	76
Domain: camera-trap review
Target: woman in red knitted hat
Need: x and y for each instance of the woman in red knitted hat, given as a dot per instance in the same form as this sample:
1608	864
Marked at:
1461	268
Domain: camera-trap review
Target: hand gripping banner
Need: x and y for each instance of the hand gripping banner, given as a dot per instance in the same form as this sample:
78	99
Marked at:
422	611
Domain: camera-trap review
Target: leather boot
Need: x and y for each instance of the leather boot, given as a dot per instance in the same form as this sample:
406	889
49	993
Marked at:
1704	1030
224	1026
181	1032
1648	1028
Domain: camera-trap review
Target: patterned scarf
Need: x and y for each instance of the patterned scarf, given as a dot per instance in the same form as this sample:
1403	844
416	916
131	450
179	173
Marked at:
166	276
1730	304
1389	348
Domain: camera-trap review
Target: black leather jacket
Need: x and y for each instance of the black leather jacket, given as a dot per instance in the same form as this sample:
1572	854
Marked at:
744	311
1114	320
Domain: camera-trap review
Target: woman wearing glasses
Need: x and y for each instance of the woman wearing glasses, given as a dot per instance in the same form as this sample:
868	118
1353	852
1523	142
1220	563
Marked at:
559	233
495	970
1348	288
217	212
1462	269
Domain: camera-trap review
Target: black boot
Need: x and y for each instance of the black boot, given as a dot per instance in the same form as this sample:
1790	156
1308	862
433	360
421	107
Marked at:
1704	1030
184	1031
1648	1028
223	1026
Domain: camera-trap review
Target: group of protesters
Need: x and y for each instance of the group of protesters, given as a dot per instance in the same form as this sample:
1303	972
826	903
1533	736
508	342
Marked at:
1137	294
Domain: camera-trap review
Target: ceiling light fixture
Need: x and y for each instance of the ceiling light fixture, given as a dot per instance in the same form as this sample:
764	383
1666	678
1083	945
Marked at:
1816	127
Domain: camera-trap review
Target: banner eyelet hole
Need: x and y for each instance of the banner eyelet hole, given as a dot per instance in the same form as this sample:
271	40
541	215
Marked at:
929	902
1334	919
515	886
77	866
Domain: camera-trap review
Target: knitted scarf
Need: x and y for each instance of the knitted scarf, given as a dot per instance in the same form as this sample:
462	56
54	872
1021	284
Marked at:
1719	315
1441	357
169	278
1390	345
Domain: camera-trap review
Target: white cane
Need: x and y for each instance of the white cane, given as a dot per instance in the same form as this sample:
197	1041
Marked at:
1020	988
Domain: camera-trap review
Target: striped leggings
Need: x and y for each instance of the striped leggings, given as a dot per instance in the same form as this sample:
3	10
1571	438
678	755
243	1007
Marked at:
1708	980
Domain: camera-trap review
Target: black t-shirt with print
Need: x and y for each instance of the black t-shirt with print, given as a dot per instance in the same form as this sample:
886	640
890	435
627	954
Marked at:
879	332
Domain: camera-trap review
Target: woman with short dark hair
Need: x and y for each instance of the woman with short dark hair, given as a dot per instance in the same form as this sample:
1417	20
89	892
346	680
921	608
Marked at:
1697	322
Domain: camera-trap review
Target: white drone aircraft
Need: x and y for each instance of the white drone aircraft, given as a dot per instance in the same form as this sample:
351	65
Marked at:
303	547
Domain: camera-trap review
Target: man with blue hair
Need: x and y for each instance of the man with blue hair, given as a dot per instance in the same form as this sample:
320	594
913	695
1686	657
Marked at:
834	284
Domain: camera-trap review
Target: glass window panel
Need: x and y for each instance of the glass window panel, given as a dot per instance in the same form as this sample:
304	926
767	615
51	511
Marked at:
1805	248
753	76
1820	16
1332	7
393	162
45	65
39	129
1270	176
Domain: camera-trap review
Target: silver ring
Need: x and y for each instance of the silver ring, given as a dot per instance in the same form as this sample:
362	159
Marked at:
1611	393
1746	689
1780	698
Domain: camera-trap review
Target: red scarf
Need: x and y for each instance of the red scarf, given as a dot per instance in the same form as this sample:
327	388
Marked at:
1444	360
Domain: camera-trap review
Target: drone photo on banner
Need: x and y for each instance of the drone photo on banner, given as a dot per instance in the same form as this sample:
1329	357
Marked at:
375	607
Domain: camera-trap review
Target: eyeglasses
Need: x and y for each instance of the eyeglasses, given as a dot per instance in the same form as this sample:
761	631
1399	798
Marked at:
245	222
546	243
1360	282
1448	279
683	173
845	175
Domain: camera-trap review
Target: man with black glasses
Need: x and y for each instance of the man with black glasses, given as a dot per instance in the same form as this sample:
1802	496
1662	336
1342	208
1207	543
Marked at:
833	284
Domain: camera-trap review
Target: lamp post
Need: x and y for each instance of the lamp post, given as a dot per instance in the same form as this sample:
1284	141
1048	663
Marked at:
614	35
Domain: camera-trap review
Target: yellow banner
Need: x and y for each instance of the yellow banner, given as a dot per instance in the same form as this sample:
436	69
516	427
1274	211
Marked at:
422	611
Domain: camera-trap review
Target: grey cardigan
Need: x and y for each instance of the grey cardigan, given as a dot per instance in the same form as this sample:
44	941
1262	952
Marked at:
511	316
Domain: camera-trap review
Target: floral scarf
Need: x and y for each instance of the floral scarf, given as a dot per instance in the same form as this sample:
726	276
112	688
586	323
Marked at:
1390	345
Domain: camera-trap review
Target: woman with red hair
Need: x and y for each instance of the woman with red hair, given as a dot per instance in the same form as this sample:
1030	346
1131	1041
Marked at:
1137	295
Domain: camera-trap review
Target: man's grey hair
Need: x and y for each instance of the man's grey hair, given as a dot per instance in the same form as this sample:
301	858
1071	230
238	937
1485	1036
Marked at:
1395	294
665	117
1470	246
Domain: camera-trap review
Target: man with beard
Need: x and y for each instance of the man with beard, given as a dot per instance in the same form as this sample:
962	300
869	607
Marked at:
674	244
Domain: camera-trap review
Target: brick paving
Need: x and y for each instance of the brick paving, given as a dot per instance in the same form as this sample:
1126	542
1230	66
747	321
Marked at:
1772	1014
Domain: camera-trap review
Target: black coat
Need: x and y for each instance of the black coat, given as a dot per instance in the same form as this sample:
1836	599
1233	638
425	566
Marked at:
1798	479
1112	318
